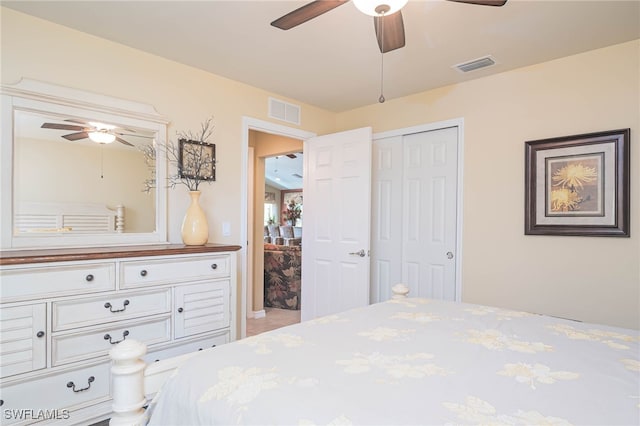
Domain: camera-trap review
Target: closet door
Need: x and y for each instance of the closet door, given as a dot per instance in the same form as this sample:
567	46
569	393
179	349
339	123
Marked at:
414	215
386	216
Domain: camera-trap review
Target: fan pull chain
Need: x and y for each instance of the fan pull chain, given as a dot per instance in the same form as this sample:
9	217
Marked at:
381	99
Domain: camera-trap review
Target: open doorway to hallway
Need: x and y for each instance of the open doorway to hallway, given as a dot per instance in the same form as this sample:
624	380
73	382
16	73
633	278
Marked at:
275	217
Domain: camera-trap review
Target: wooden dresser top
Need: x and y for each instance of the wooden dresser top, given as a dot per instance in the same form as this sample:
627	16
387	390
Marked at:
18	257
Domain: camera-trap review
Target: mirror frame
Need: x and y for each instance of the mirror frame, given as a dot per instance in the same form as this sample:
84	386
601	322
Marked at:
36	96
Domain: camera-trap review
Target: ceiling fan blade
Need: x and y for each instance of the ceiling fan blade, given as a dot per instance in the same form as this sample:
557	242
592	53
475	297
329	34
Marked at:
483	2
62	127
134	135
306	13
391	28
76	136
123	141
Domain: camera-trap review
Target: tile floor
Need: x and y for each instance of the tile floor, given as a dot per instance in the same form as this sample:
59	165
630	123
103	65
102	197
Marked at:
275	318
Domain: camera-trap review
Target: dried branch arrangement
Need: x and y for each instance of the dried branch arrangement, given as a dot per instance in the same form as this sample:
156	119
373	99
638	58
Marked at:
194	157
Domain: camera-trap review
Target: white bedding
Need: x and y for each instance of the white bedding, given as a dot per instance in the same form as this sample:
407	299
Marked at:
413	361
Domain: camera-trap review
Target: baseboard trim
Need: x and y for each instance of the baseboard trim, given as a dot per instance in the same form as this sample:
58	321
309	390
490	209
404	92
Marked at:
258	314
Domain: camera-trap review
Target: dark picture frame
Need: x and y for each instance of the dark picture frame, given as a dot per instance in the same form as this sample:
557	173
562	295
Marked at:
196	160
578	185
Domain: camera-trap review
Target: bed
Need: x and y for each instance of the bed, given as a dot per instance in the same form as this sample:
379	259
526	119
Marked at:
404	361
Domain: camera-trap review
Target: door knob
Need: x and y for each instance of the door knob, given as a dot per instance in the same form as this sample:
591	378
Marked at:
449	255
358	253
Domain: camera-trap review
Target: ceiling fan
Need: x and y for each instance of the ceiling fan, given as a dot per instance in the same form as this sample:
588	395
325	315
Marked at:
386	15
97	132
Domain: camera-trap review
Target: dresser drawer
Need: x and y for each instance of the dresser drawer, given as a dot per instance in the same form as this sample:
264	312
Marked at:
73	347
37	283
61	392
23	342
107	308
170	271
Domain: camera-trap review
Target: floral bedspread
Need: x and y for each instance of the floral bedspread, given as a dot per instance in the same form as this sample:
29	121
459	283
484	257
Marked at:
414	361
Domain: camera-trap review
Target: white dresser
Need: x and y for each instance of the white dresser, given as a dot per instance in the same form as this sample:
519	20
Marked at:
61	311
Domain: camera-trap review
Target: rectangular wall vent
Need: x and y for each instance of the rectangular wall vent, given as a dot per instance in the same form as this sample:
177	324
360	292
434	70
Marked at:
485	61
281	110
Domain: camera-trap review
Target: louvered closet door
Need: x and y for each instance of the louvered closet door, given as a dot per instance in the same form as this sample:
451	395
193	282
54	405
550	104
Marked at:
202	308
414	204
23	342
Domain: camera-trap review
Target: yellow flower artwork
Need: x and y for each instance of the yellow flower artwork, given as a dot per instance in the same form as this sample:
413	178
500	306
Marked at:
574	184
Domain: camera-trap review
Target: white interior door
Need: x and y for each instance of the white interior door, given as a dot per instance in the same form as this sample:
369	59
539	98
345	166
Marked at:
335	244
415	221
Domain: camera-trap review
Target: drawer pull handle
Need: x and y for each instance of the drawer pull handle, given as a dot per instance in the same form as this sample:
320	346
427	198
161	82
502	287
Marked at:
124	336
40	334
180	310
1	402
214	266
143	273
124	307
73	386
89	278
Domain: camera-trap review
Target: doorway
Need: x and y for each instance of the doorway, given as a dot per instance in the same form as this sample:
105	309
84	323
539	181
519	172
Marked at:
273	140
251	233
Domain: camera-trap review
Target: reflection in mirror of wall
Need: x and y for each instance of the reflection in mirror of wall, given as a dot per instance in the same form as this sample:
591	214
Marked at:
75	174
57	163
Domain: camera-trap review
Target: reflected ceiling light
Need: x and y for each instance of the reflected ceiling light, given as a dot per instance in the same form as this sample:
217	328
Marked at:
102	137
276	171
379	7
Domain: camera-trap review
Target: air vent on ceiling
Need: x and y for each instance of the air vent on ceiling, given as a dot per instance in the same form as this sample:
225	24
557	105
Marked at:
284	111
485	61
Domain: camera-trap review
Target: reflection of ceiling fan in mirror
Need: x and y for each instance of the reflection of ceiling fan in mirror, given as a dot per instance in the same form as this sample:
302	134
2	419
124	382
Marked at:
387	18
97	132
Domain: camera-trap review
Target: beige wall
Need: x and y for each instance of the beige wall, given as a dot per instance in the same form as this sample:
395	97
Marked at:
37	49
591	279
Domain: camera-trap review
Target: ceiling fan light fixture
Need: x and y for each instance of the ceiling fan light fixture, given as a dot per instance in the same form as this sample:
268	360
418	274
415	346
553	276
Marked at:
102	137
379	7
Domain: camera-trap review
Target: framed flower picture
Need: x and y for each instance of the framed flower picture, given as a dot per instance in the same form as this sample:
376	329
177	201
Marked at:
578	185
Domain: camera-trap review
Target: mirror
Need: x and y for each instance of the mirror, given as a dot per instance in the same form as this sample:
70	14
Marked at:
79	176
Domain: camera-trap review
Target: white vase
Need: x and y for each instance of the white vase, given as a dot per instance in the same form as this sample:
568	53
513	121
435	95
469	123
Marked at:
195	231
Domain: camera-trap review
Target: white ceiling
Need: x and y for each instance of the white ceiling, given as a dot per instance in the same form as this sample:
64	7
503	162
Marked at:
333	61
283	172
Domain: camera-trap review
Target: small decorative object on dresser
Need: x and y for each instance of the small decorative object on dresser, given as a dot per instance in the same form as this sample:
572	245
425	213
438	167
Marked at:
63	310
195	230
